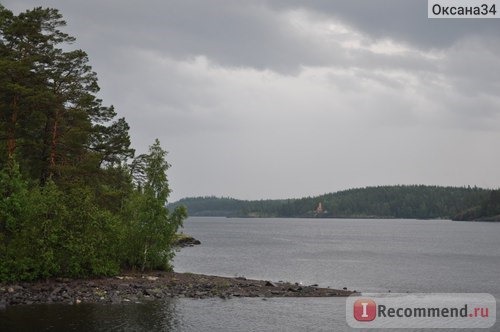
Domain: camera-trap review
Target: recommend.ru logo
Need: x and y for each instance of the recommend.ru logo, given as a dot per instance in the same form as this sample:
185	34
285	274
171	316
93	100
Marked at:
422	310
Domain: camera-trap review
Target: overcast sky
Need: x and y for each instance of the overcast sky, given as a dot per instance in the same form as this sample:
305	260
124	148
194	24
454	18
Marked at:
281	99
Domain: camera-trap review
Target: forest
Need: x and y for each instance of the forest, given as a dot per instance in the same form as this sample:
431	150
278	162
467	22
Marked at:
403	201
75	201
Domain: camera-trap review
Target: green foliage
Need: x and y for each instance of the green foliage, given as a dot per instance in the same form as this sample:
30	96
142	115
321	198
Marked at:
491	206
25	253
422	202
152	227
60	234
487	210
70	205
50	115
212	206
13	192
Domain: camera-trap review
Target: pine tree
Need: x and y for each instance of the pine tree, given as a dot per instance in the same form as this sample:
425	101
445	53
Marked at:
51	116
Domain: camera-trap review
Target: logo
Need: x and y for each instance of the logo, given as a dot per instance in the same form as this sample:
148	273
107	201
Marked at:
364	310
421	310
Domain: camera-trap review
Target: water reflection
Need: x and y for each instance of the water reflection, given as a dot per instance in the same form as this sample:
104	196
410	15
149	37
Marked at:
237	314
152	316
190	315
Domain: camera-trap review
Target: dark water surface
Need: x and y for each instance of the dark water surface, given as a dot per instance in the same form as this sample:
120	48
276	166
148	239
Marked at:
250	314
366	255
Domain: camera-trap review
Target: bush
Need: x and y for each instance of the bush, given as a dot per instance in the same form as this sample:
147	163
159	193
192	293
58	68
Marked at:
57	234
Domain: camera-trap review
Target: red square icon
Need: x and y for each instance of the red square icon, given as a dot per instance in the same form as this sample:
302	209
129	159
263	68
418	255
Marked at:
365	310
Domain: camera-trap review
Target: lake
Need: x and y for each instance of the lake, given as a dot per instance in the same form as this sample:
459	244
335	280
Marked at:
365	255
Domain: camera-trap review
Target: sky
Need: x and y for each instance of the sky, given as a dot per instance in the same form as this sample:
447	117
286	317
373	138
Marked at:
285	99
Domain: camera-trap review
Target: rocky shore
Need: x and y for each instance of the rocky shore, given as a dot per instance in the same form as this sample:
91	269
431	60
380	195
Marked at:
183	240
137	288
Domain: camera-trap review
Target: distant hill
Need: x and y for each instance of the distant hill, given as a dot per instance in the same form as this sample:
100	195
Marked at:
488	210
408	201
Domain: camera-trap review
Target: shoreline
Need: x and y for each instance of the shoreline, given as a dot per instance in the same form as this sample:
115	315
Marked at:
142	287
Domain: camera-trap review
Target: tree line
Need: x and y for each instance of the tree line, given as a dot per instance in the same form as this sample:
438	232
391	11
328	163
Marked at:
402	201
75	201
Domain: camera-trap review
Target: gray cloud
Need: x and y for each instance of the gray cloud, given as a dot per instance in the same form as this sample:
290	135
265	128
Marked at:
274	99
404	20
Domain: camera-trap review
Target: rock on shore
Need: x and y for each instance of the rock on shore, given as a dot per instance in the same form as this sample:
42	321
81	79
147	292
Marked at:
183	240
136	288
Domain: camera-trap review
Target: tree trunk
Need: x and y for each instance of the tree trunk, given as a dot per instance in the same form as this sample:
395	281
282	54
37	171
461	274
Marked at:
144	258
50	144
54	139
46	155
11	132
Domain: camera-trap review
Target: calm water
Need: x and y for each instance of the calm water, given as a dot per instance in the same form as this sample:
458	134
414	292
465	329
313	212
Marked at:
366	255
